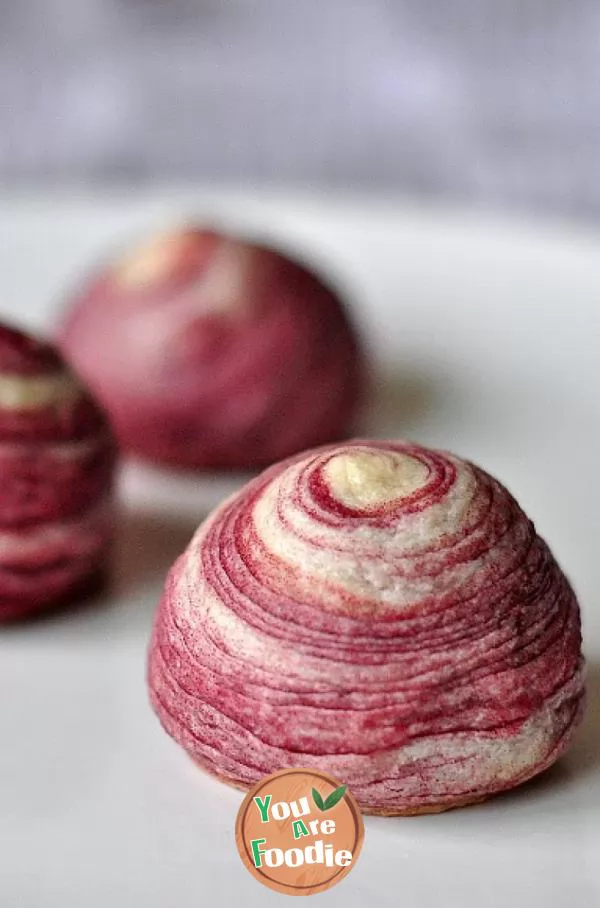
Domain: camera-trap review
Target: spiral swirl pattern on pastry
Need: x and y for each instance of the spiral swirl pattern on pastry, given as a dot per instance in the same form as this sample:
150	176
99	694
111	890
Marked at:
378	610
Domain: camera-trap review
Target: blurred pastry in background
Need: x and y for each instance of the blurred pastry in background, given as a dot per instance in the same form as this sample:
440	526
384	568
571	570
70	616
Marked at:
57	458
211	352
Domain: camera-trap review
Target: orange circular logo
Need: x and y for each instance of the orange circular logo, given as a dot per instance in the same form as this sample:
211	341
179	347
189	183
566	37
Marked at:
299	831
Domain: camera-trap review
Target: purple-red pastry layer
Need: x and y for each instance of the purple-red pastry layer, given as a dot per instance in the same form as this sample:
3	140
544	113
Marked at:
378	610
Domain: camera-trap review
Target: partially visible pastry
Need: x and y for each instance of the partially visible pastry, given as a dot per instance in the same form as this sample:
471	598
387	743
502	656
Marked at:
57	460
377	610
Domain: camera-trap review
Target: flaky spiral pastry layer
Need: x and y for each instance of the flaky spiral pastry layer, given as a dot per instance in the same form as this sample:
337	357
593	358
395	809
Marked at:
381	611
57	460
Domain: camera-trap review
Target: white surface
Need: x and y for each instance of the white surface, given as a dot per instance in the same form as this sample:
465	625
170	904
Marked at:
490	334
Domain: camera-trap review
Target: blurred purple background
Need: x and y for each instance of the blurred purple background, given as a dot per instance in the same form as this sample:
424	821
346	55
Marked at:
492	100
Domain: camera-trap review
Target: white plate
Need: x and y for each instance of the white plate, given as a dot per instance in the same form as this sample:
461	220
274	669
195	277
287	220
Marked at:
490	333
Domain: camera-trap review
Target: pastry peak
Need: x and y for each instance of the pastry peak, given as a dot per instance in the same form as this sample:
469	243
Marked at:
362	478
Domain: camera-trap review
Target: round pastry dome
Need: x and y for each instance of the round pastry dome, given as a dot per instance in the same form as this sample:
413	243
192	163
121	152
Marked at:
57	462
208	351
378	610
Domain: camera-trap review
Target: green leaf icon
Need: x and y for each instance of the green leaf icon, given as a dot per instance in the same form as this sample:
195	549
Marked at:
318	799
334	797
